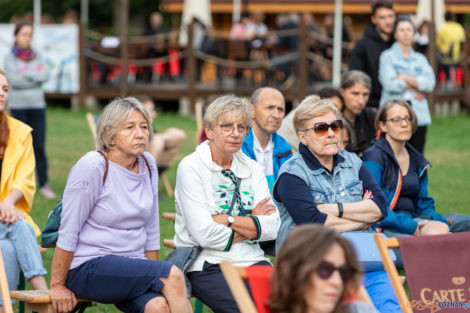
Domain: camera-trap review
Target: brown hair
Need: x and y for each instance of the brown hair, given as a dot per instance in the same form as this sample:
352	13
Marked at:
301	253
4	130
383	111
311	107
20	25
381	4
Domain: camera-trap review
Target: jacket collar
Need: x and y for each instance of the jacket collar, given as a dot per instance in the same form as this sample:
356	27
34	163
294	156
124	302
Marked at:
315	165
397	50
239	167
14	149
420	160
279	147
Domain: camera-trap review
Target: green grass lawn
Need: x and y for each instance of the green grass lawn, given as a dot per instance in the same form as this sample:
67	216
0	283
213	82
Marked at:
68	138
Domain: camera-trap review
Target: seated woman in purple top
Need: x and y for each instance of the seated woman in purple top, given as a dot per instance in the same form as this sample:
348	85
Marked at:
109	238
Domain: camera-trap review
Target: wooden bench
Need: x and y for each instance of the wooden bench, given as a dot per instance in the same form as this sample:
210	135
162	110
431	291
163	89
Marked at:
169	216
39	301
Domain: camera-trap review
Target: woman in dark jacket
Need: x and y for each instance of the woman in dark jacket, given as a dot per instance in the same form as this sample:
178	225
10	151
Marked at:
401	172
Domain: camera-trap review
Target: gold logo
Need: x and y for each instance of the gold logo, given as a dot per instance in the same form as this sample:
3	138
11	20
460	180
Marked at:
458	280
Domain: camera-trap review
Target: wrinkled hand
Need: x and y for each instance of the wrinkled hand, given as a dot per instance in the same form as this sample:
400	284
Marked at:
264	207
237	237
63	300
8	213
420	224
220	219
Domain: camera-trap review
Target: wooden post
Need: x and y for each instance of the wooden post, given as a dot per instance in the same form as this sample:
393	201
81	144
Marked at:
191	67
124	23
432	58
82	67
303	61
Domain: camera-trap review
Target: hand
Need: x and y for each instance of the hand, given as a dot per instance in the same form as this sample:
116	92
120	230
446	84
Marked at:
420	224
63	300
237	237
419	96
367	195
403	77
220	219
264	207
8	213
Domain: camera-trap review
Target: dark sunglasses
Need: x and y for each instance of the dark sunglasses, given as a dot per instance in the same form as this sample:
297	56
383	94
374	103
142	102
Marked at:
321	128
326	269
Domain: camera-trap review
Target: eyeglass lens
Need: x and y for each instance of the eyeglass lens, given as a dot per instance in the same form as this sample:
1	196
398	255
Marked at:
321	128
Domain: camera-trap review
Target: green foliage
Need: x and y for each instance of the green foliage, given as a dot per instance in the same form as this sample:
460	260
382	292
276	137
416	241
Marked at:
68	138
100	11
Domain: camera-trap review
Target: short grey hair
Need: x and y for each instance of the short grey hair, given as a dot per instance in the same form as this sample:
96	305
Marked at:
354	77
311	107
114	114
228	104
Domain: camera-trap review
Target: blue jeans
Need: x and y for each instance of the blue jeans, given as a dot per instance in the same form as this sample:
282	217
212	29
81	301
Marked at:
20	252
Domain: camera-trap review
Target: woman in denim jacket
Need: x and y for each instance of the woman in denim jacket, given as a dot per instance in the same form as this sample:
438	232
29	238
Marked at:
406	74
323	184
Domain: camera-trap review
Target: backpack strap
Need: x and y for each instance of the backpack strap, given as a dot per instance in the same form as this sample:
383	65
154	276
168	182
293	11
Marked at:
147	164
107	165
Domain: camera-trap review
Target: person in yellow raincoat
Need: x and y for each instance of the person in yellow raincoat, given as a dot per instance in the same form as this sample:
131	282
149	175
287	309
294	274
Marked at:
17	186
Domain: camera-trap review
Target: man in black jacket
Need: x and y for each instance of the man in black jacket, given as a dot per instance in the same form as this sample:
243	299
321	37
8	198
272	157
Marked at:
377	38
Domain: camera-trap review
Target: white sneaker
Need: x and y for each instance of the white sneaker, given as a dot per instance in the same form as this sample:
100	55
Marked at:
47	192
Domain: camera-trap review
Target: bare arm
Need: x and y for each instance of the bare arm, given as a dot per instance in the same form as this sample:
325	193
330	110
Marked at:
244	225
8	213
151	255
343	224
365	211
63	300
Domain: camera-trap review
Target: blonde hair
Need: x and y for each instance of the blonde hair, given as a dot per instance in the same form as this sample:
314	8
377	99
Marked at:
311	107
114	114
223	105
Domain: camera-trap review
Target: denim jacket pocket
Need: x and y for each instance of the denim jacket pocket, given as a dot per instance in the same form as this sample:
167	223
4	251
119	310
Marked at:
355	191
319	196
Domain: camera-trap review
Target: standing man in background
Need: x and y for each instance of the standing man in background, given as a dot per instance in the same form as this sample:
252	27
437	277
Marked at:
377	38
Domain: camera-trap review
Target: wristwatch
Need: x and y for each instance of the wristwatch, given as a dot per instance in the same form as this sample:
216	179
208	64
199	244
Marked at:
230	220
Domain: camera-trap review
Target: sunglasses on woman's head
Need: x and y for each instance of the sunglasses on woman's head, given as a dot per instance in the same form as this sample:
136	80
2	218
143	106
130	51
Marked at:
321	128
326	269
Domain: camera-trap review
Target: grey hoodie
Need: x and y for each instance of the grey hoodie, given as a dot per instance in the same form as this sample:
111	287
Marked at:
25	80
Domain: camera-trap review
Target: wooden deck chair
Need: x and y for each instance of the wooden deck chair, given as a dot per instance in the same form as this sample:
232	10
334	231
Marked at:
198	111
36	300
235	277
91	119
436	269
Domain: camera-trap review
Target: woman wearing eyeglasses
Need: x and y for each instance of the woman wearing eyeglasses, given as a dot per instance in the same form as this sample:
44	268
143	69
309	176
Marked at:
401	172
325	185
222	203
314	272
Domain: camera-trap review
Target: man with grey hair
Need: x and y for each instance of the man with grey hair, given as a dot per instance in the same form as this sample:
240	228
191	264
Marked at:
262	143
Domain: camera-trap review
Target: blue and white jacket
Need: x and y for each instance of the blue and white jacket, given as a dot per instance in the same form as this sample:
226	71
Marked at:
281	153
392	63
384	167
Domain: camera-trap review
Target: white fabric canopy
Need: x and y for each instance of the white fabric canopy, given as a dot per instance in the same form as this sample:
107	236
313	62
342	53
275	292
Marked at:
200	9
423	12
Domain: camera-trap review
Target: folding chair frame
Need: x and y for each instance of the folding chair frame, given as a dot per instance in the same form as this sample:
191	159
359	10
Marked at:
383	245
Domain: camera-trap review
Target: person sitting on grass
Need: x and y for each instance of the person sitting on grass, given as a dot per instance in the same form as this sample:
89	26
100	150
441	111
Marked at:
109	237
164	146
